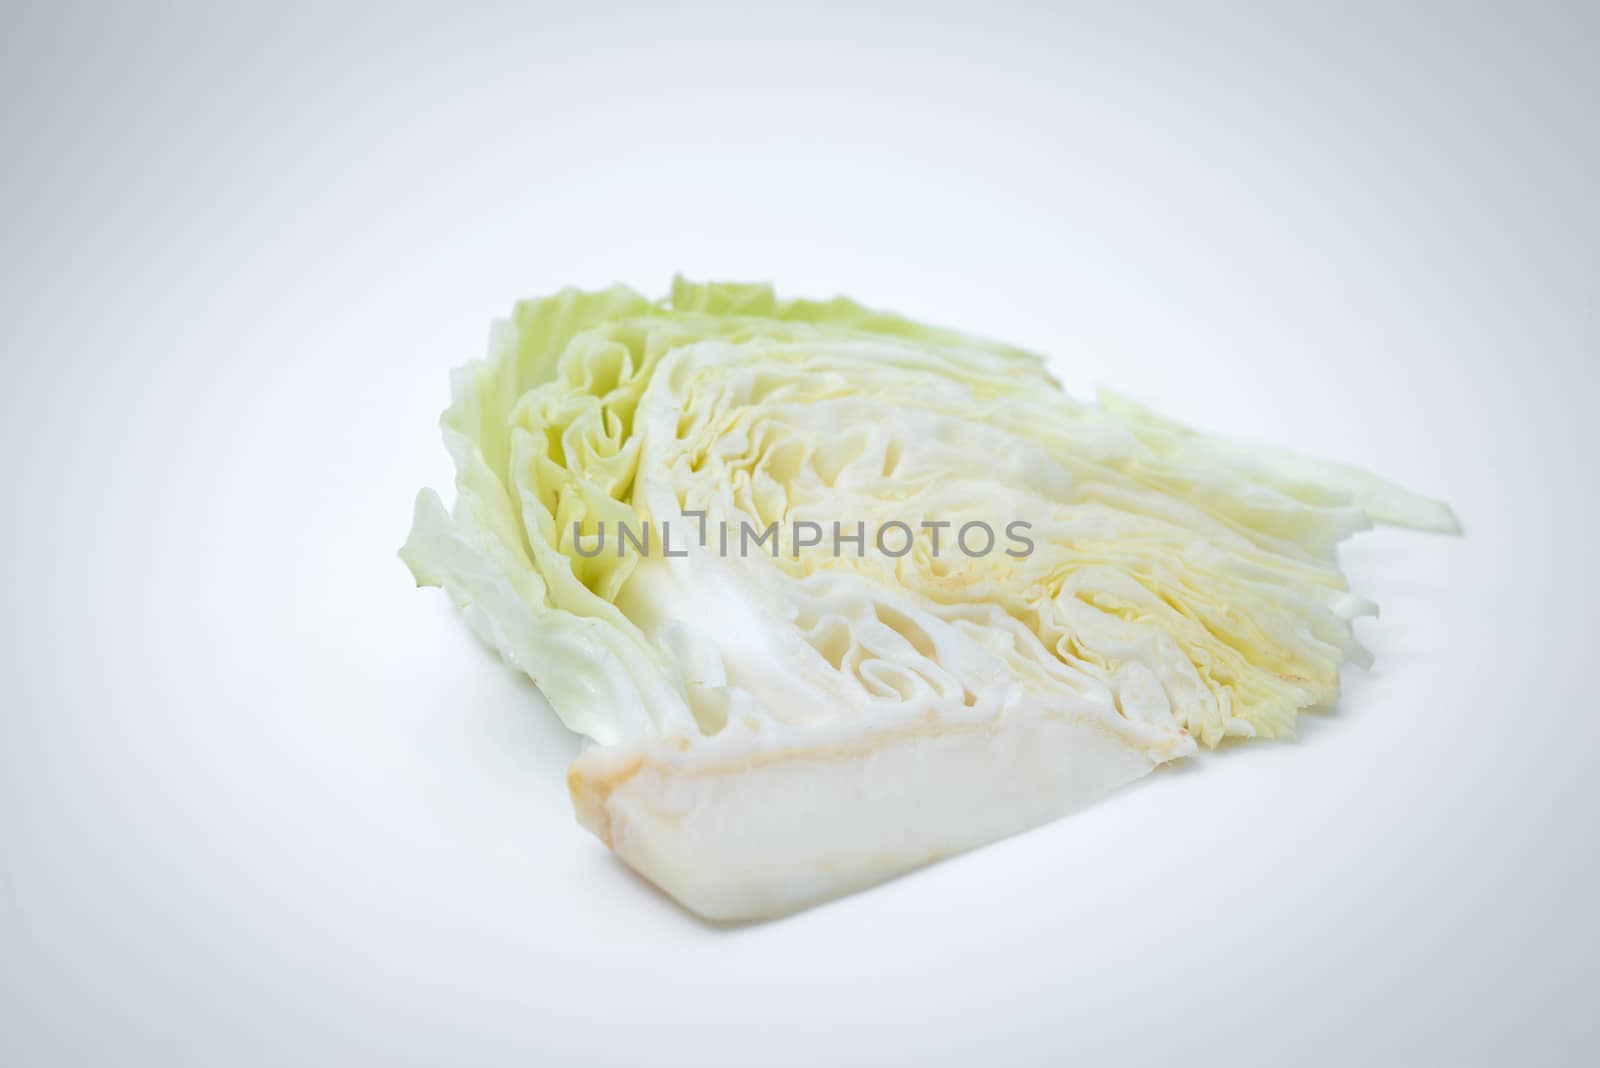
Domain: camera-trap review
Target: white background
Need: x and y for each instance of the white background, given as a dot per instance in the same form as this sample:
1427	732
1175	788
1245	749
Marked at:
265	803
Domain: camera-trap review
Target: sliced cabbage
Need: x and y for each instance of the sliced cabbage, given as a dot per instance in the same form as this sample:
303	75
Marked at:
778	726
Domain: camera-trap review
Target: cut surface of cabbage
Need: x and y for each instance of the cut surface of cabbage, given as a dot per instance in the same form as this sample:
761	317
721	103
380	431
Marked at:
779	723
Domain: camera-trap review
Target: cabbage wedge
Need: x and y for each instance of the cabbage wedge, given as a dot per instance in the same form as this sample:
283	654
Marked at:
835	594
